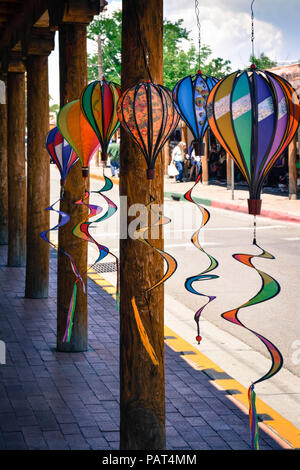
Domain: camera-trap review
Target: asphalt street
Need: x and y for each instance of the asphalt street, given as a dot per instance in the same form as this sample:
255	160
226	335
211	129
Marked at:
226	233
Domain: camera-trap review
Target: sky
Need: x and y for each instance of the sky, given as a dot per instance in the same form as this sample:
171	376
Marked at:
226	28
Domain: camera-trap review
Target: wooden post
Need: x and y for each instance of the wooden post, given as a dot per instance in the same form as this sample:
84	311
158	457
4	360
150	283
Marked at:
73	78
228	170
293	169
205	160
38	177
142	384
16	169
3	169
166	152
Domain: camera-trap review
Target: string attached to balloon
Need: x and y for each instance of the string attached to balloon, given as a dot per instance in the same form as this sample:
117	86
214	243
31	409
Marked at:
64	157
190	97
147	113
254	115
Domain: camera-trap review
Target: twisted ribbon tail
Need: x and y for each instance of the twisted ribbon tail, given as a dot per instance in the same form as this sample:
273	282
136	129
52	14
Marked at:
171	268
63	219
253	421
70	316
81	230
269	289
203	276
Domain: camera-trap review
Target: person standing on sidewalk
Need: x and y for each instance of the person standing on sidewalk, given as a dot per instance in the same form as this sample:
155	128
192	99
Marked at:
114	157
178	159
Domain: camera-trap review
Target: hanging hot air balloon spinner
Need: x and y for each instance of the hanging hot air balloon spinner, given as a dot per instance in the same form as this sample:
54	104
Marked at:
254	114
148	115
98	103
190	97
64	157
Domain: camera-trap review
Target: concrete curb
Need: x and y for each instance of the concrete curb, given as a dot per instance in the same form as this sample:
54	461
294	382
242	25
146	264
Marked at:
286	217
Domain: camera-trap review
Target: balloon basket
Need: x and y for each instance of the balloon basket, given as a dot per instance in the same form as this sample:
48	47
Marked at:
85	172
150	173
254	206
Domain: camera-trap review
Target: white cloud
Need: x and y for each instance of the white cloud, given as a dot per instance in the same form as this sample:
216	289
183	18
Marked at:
226	32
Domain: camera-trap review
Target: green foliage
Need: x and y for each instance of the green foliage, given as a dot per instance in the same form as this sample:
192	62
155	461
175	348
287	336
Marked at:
54	108
262	62
111	31
179	61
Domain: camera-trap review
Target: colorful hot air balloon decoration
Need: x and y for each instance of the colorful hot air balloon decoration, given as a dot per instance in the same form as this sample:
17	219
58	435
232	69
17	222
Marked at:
78	132
147	113
99	105
82	137
61	153
64	157
254	115
190	96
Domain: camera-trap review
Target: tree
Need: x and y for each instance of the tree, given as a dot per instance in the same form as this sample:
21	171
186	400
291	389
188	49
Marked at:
179	61
110	29
262	62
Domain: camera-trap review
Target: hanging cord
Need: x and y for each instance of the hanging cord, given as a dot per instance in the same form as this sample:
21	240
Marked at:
197	12
254	230
252	27
144	49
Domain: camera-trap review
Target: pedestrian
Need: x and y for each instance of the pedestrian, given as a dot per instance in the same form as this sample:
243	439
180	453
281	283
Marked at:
178	158
196	162
114	157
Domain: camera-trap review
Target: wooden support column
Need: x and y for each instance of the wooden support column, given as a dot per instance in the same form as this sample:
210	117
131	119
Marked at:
142	384
205	159
73	78
3	168
228	171
16	169
293	169
38	177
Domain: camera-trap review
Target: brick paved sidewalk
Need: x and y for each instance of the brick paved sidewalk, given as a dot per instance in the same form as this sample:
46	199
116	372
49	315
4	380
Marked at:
51	400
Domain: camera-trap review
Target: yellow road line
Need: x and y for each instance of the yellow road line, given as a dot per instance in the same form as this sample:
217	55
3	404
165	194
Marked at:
281	426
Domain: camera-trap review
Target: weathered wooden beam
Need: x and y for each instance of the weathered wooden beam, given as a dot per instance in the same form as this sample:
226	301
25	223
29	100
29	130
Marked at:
38	177
292	169
73	78
3	168
16	169
142	384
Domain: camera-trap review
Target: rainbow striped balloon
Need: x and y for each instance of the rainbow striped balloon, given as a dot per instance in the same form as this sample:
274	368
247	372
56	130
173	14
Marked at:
254	115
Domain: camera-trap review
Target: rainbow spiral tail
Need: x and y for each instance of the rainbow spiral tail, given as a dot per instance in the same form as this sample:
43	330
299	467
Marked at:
269	289
64	219
204	275
171	263
81	230
253	421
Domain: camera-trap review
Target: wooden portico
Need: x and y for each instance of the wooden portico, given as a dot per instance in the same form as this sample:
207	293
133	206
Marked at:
27	31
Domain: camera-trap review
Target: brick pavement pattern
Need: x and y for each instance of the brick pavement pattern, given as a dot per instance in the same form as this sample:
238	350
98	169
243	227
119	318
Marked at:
54	400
